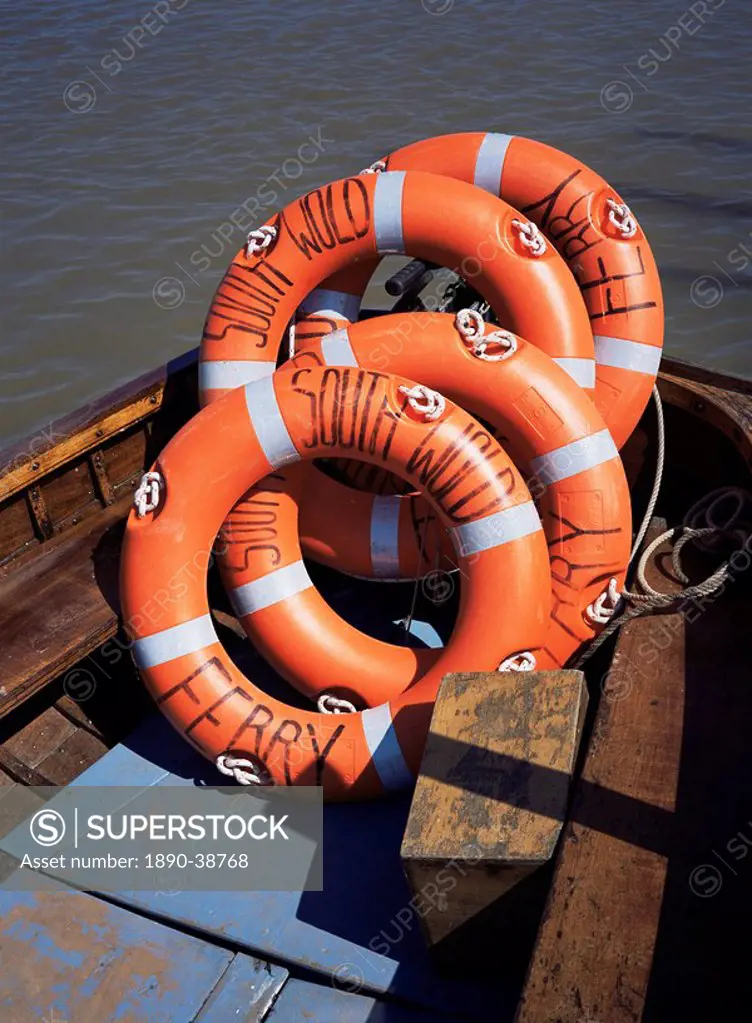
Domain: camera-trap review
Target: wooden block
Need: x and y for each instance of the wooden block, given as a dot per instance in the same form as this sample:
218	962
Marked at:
594	951
492	792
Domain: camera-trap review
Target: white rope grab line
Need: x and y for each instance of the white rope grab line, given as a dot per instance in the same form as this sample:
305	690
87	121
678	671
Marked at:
523	661
623	219
427	403
530	236
327	703
259	239
471	327
377	167
147	496
291	340
244	770
604	607
660	463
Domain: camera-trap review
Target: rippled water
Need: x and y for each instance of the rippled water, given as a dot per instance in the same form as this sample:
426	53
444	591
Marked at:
132	133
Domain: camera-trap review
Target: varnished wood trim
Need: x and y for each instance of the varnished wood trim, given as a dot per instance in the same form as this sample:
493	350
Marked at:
88	428
81	442
728	411
687	371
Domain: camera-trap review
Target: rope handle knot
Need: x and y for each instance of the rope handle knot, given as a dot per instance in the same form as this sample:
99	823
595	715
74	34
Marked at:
471	327
530	236
147	496
622	218
245	770
523	661
426	403
327	703
260	239
605	606
377	167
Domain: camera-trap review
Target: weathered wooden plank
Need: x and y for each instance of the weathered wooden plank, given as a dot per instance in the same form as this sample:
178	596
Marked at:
492	791
77	713
20	772
40	514
54	609
40	738
73	757
595	947
67	956
124	460
101	477
16	529
709	377
69	494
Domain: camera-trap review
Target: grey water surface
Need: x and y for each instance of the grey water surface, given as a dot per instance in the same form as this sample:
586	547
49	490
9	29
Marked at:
138	140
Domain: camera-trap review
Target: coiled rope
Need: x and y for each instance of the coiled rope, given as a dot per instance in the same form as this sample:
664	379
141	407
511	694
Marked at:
614	609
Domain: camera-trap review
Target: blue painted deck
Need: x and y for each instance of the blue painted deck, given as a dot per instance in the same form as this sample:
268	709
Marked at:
327	932
68	956
323	936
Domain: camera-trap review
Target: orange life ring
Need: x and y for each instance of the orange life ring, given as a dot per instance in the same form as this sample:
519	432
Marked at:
288	620
360	218
592	228
550	429
206	468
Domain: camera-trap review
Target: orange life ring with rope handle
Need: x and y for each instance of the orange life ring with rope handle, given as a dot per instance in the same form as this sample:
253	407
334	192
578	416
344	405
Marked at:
204	470
288	620
435	218
593	229
548	426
